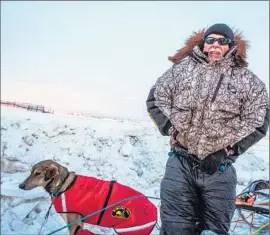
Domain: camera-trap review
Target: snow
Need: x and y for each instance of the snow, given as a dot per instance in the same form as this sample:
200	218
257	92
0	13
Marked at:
131	152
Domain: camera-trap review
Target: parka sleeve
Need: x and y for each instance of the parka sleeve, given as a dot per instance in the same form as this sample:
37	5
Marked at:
254	117
157	113
160	105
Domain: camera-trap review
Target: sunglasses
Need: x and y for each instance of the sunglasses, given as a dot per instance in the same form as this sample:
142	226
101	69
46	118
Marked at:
221	41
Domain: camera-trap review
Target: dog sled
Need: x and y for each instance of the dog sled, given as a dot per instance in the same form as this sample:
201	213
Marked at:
252	208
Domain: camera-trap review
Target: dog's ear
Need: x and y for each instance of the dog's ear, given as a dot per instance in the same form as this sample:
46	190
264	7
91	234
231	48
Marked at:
51	172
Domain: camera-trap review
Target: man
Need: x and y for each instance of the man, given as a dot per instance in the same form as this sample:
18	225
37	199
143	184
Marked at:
214	108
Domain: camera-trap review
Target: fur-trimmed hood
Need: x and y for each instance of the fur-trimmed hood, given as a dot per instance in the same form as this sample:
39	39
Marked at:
196	39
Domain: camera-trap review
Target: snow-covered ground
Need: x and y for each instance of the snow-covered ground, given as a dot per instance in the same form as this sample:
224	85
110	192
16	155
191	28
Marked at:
133	153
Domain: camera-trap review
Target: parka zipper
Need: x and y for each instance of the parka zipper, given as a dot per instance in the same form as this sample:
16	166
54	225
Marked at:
217	88
212	100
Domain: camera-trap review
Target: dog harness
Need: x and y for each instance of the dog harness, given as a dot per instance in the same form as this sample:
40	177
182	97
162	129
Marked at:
88	195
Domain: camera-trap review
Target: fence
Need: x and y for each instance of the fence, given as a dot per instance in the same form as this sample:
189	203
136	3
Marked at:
27	106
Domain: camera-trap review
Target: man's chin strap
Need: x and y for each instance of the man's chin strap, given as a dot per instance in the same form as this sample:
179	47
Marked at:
206	53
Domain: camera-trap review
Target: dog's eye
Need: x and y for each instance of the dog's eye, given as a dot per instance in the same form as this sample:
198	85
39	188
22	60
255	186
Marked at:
37	173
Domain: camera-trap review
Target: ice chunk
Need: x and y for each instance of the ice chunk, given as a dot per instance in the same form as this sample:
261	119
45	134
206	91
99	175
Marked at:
23	210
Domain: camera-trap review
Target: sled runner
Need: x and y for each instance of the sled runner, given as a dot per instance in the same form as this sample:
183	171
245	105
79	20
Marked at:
252	207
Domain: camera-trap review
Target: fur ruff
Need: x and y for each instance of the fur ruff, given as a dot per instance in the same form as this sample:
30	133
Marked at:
197	39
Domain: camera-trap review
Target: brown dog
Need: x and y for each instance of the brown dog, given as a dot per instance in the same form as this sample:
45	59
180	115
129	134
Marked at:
76	196
49	175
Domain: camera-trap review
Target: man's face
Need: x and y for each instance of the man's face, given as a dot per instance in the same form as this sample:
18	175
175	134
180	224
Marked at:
216	49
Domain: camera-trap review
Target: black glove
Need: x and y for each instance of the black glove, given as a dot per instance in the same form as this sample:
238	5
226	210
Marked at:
212	162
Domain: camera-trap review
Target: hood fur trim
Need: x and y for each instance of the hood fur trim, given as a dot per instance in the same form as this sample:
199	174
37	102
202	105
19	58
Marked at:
197	39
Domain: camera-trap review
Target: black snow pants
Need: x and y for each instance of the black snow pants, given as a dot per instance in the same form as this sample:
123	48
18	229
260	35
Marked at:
193	201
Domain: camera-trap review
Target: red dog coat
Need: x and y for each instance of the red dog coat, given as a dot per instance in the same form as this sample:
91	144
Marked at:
88	195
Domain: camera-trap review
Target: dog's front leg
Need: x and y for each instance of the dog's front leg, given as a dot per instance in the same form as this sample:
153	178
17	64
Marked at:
71	217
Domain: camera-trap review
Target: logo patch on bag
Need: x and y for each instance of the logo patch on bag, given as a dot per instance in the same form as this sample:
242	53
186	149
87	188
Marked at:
121	212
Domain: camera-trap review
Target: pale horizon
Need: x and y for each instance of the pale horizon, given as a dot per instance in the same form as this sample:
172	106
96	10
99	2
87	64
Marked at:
103	57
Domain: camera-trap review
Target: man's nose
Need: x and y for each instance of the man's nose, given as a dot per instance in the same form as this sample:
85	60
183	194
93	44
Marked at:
22	186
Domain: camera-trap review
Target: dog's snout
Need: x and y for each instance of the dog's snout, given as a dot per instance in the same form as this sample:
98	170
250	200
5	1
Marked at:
22	186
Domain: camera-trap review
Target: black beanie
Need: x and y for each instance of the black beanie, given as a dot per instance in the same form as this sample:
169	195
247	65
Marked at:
221	29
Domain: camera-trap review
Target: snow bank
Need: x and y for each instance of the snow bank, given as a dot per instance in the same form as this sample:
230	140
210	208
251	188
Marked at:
133	153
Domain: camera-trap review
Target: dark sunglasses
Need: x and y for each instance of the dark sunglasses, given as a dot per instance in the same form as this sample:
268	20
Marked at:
221	41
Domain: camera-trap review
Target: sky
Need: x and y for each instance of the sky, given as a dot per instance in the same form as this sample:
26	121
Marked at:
103	57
